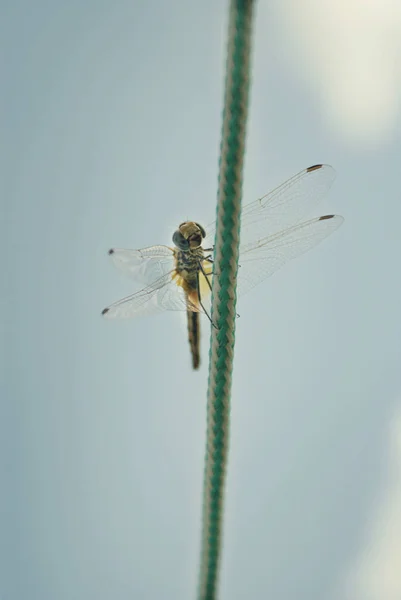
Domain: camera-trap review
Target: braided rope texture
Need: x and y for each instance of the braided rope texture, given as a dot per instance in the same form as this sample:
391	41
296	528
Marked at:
224	294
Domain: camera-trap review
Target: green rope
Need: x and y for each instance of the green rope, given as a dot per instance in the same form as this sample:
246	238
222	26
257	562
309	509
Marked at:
224	295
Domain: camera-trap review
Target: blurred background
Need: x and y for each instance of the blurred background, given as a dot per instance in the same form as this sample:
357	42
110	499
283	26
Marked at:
111	119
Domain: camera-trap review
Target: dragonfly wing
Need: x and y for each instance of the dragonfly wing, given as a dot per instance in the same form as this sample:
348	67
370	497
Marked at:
261	260
163	294
282	207
146	265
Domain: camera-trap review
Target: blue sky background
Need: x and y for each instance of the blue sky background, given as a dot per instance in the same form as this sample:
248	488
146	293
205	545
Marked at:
110	136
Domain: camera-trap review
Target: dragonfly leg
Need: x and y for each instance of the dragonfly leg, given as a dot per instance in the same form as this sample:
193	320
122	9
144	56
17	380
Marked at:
200	299
205	275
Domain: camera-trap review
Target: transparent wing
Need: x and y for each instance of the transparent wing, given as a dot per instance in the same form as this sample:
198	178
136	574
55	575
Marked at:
262	260
163	294
262	252
146	265
281	208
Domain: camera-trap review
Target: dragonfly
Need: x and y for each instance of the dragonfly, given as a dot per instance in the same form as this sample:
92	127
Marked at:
179	278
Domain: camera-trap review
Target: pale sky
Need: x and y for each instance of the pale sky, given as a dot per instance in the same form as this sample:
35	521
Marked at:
111	132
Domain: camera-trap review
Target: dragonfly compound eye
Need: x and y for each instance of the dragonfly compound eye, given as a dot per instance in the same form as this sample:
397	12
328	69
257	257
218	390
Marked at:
203	232
180	241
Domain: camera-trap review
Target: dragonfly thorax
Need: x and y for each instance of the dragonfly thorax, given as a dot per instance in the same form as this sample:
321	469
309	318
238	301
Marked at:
188	264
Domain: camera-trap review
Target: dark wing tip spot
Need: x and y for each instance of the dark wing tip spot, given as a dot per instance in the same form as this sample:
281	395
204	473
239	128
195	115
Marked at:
105	311
314	168
111	251
326	217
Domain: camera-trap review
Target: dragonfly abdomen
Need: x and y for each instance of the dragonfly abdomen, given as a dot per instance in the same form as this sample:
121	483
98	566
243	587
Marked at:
194	337
188	267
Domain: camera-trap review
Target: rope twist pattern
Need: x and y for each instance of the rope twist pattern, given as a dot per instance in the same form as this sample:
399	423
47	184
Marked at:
224	293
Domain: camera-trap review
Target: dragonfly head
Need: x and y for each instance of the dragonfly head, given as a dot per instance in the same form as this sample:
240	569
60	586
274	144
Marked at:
189	236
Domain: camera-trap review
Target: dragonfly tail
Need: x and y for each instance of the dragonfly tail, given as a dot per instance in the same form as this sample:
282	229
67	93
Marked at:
193	337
